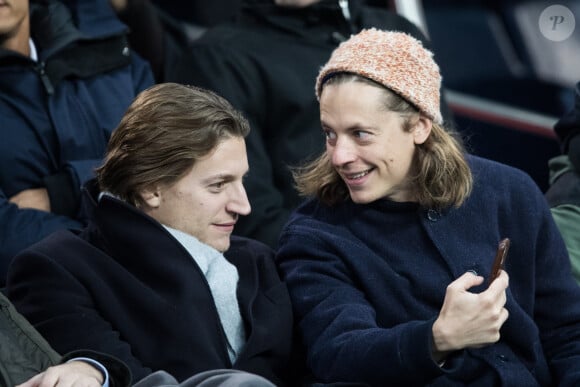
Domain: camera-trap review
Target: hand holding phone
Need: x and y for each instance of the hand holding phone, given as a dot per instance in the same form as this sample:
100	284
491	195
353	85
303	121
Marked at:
499	261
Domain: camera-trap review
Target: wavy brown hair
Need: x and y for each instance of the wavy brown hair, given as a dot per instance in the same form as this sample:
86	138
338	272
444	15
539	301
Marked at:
167	128
440	176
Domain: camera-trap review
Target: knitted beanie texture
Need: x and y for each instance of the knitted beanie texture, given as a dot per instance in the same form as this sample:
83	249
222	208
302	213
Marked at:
396	60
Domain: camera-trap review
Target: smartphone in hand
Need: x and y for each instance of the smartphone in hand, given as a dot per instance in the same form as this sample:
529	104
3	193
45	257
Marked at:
499	261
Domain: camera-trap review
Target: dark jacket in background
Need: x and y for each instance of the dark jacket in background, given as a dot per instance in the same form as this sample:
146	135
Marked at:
266	65
56	115
126	287
201	12
564	193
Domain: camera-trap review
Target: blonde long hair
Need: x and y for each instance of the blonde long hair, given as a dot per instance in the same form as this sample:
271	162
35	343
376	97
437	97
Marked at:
440	176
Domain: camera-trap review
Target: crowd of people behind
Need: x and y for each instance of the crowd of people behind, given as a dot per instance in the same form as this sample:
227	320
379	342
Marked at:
277	198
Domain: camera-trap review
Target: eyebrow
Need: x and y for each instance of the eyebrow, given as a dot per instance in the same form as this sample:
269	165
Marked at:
221	177
324	126
217	177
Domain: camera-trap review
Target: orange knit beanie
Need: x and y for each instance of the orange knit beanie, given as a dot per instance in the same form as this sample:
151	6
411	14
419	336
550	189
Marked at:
394	59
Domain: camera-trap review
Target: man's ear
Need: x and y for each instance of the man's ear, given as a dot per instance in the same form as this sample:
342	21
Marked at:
151	197
422	129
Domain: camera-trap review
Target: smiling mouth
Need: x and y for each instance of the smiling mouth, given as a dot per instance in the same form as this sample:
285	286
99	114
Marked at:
359	175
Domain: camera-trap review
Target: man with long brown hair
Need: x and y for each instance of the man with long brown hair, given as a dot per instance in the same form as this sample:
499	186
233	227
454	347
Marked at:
387	261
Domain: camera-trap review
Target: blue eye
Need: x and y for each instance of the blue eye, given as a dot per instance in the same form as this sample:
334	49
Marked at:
361	134
217	187
329	135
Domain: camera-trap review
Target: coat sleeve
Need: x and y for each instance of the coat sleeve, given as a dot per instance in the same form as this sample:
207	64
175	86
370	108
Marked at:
52	298
568	126
339	325
21	228
557	295
139	78
119	373
567	217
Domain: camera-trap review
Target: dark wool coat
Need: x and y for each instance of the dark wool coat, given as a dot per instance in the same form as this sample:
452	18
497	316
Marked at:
368	281
57	114
126	287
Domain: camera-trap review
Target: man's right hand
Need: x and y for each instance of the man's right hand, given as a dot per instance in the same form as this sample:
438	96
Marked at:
73	374
467	319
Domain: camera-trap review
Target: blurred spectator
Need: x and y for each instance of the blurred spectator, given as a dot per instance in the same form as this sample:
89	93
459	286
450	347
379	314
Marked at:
158	36
160	30
564	192
65	81
265	65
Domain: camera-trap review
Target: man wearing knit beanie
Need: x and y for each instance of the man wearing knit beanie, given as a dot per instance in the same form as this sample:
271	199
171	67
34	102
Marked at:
564	192
390	261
